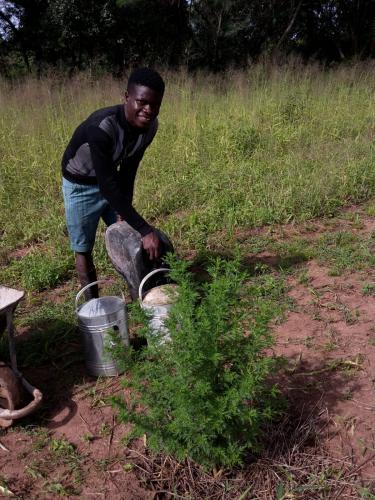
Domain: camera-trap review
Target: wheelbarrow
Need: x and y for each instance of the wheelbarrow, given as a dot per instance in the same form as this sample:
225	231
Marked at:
12	382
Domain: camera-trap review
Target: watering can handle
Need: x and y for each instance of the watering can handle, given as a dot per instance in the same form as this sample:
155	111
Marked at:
162	269
84	289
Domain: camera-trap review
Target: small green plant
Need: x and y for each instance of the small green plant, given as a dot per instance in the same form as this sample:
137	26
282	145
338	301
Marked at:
370	210
87	437
103	463
368	289
42	438
34	471
62	453
304	278
62	447
38	270
204	394
59	489
366	493
105	429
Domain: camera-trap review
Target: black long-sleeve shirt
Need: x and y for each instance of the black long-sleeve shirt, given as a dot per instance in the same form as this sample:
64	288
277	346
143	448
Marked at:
106	150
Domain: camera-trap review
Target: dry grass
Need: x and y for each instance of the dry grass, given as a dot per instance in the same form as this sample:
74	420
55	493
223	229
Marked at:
293	465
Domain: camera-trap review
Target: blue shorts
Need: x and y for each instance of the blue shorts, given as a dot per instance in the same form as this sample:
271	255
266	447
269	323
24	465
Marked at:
84	206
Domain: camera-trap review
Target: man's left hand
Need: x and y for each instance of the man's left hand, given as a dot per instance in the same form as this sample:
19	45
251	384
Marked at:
152	244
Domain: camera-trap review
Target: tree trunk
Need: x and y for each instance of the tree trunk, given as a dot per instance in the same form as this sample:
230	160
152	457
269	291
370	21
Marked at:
289	27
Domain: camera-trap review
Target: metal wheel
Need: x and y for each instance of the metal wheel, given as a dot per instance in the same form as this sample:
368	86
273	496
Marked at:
10	392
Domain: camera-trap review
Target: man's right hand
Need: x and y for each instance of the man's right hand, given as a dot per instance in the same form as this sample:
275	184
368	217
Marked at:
152	244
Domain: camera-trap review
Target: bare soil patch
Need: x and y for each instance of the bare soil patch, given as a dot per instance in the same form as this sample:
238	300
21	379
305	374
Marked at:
329	342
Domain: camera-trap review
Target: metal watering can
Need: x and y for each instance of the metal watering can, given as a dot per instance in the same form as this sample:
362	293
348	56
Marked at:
157	302
96	318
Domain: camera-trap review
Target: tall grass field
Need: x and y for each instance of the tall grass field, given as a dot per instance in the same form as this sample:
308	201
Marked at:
265	145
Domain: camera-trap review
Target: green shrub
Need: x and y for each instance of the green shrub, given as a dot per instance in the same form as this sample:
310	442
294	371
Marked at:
204	395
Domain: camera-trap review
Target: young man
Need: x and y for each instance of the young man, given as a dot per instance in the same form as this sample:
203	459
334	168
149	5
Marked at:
99	168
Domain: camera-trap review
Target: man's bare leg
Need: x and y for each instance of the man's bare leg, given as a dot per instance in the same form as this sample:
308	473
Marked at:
86	273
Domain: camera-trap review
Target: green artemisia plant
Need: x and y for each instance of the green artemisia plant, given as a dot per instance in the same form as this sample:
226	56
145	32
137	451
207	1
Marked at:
205	395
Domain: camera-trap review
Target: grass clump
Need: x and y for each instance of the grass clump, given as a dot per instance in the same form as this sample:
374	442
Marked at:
345	250
38	270
204	395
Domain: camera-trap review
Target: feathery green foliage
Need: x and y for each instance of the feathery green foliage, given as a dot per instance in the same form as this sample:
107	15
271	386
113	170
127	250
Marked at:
204	394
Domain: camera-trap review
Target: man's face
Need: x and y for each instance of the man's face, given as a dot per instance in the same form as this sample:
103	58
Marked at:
142	106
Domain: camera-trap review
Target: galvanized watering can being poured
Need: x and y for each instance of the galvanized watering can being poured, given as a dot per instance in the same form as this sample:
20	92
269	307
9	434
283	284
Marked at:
125	249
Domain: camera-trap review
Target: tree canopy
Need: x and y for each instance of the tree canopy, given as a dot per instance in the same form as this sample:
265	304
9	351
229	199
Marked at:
213	34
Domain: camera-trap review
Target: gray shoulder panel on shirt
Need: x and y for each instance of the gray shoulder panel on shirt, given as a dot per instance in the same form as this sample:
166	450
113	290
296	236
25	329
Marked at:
81	163
111	127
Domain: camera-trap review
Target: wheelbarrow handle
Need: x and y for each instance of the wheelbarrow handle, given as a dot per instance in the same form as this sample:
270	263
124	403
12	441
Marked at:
22	412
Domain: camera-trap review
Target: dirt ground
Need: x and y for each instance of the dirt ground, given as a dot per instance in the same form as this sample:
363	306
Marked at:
329	340
74	445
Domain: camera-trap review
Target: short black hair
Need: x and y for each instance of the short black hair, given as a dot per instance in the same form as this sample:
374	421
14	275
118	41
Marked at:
147	77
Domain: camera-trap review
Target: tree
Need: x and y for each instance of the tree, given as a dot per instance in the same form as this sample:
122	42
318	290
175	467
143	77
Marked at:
149	32
336	29
74	33
117	34
11	37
